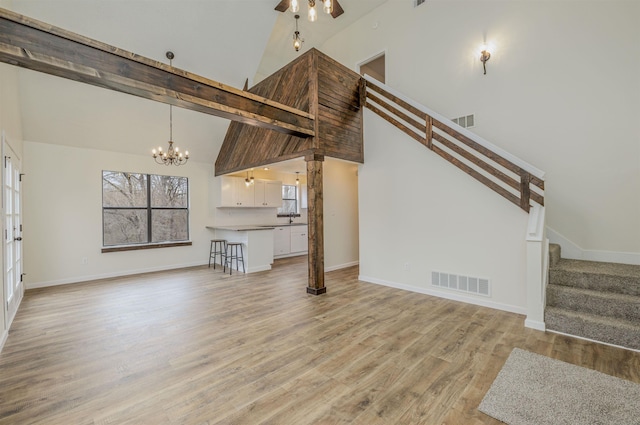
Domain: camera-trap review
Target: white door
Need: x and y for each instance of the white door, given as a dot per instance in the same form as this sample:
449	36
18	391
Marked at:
12	233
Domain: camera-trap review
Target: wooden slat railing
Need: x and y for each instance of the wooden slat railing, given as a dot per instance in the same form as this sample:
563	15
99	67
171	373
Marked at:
514	179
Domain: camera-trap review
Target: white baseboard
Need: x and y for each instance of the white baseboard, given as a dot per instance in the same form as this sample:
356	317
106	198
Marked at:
87	278
341	266
535	324
447	295
572	251
294	254
3	339
258	269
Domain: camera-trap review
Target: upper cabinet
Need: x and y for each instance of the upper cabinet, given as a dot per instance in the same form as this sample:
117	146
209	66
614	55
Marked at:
268	193
234	192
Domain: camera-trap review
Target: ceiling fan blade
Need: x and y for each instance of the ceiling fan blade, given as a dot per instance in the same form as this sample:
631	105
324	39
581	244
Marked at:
283	5
337	9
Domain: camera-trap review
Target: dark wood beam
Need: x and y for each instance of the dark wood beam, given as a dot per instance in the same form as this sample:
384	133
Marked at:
315	218
35	45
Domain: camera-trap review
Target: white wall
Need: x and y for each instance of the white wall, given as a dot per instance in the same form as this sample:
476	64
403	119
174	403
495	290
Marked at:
420	214
561	92
340	214
63	215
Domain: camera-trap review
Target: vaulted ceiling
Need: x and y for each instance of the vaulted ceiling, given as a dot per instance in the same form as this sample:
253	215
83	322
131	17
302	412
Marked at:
224	40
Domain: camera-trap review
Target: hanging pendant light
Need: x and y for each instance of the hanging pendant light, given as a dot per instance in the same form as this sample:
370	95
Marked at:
327	6
172	156
312	16
297	41
297	177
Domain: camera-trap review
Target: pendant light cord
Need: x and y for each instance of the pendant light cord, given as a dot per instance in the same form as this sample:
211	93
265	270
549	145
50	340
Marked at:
171	112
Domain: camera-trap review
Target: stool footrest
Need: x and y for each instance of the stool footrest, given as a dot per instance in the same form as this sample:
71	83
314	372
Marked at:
231	253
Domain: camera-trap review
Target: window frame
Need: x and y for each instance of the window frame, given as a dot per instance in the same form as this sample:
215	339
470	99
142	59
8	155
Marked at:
297	199
149	208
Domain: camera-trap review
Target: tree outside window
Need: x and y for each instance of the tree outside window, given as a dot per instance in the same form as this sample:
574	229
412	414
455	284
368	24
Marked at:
144	208
289	200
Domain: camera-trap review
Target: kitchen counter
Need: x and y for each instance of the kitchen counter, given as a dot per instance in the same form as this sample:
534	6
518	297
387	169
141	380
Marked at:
251	227
243	228
257	244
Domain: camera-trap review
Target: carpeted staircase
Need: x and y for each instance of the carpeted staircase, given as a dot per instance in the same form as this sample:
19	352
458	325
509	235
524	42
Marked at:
599	301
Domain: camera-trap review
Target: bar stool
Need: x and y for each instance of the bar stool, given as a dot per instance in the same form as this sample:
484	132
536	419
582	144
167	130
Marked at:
218	247
230	254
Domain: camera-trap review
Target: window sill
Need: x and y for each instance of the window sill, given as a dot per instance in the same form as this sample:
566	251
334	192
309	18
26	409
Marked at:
288	215
144	246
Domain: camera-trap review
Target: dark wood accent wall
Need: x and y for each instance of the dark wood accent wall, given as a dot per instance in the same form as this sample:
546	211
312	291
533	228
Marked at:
339	118
314	83
247	146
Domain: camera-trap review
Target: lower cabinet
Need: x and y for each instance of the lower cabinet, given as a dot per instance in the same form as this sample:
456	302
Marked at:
290	240
281	240
299	239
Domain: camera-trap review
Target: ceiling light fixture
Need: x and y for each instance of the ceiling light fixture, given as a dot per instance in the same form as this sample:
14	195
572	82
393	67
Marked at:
247	182
172	156
312	15
328	6
297	177
485	55
297	41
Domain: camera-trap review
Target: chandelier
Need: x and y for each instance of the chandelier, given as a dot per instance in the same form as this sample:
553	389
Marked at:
171	156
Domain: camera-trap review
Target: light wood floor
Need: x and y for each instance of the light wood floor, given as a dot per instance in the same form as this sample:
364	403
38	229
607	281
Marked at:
199	347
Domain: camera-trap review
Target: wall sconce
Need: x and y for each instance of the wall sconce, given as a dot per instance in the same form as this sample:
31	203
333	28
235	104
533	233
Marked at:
485	55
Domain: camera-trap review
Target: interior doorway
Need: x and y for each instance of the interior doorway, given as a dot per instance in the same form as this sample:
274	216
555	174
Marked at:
374	67
12	202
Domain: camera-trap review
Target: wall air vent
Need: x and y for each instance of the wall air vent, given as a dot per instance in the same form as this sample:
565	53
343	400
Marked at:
417	3
468	284
467	121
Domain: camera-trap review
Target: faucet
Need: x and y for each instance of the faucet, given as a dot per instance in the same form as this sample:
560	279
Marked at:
290	218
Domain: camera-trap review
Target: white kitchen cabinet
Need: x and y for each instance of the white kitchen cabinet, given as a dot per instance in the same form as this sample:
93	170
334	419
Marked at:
268	193
281	240
299	239
235	193
245	194
289	241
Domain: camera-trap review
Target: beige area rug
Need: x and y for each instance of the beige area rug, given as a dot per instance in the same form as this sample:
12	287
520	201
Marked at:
536	390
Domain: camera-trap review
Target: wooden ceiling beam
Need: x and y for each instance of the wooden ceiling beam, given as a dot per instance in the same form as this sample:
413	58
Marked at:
35	45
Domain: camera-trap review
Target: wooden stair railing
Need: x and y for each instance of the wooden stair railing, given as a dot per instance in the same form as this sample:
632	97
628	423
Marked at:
514	179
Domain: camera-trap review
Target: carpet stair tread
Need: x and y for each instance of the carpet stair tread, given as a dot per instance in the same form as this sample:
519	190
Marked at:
593	275
615	331
554	254
608	304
